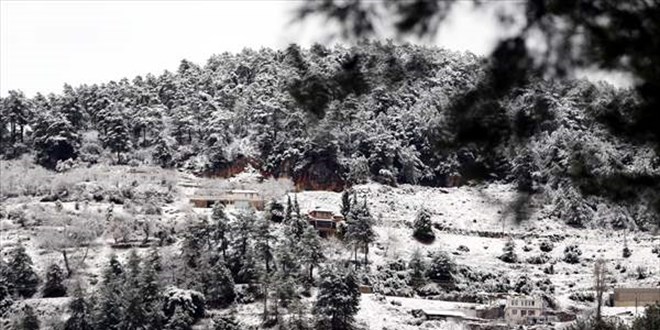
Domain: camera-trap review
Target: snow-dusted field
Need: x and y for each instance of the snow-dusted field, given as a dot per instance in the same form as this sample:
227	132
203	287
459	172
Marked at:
477	218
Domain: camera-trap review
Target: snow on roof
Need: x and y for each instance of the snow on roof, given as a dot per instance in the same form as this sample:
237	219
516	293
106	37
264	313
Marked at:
238	191
320	209
448	313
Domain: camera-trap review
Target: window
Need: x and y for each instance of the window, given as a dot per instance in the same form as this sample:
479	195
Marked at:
522	312
514	312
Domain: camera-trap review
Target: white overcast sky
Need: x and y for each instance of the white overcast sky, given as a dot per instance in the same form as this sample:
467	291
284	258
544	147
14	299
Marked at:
44	44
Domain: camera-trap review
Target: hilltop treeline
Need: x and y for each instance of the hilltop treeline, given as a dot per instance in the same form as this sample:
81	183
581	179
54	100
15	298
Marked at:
331	117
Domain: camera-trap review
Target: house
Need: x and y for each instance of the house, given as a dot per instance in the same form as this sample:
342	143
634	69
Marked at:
634	297
521	308
325	221
242	199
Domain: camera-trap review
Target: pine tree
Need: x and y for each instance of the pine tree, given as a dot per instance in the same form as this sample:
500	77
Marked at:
627	252
345	203
216	282
221	228
54	287
422	227
338	299
133	307
264	241
151	292
108	312
22	275
296	206
650	320
6	288
418	269
29	320
441	268
163	151
289	209
241	260
55	139
509	254
17	112
80	318
285	288
275	212
359	231
180	320
288	251
117	136
311	249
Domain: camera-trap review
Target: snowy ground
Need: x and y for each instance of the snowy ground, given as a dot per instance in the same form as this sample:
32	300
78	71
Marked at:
475	217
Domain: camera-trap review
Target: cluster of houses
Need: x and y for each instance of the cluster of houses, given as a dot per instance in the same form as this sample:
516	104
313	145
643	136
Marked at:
517	309
531	310
325	221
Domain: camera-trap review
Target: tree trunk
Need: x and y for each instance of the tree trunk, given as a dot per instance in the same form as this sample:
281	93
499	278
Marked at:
265	301
66	264
366	253
311	272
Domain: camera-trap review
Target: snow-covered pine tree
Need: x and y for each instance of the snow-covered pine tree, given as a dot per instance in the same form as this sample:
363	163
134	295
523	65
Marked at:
345	203
264	243
509	252
241	259
287	252
55	139
627	252
180	320
132	299
221	228
359	230
418	269
163	154
151	291
289	209
422	227
108	312
53	287
441	268
196	238
6	289
338	299
22	276
275	211
80	316
216	282
312	251
117	136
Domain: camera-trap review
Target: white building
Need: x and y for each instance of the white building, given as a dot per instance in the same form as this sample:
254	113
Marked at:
519	308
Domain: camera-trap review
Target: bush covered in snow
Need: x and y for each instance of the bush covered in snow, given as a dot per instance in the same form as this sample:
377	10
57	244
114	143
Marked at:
572	254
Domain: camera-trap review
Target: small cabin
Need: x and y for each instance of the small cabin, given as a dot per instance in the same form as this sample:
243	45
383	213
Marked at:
325	221
241	199
634	297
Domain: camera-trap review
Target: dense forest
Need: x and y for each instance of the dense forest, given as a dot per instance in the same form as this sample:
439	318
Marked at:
332	117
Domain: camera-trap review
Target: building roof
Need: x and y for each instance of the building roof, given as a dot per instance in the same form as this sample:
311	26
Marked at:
641	289
446	313
238	191
225	197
